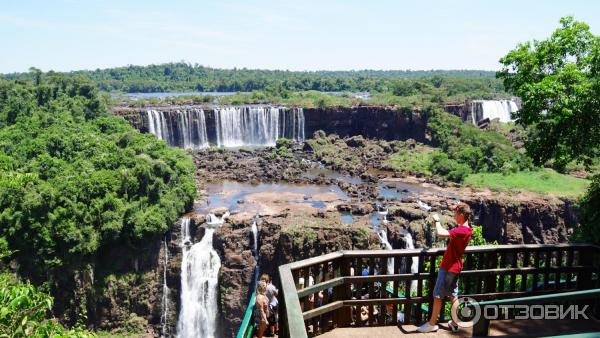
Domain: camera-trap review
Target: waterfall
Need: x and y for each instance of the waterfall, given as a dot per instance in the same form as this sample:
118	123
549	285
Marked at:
382	234
165	296
414	267
259	126
254	229
492	109
182	128
199	282
234	126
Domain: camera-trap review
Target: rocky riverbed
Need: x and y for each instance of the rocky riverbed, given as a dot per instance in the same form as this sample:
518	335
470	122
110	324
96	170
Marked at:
298	222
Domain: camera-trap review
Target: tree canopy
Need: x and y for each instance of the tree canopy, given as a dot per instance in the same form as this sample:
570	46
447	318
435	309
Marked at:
75	179
182	76
558	80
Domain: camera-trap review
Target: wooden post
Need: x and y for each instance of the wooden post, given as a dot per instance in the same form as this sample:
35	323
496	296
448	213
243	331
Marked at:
342	316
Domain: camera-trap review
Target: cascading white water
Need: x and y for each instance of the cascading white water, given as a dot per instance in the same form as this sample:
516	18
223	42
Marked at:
492	109
259	126
199	282
254	229
183	128
234	126
414	267
382	234
192	128
384	240
165	296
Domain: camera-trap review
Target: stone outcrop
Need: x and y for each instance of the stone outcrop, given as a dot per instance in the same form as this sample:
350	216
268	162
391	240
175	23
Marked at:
516	219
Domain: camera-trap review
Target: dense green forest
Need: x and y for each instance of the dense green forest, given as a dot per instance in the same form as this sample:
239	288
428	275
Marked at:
182	76
76	181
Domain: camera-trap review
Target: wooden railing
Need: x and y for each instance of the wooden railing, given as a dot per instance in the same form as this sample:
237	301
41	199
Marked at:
353	288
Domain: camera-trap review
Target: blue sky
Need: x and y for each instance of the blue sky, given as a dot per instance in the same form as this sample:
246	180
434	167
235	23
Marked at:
295	35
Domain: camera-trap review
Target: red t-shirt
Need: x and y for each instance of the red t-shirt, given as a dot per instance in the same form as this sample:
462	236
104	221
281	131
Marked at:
459	239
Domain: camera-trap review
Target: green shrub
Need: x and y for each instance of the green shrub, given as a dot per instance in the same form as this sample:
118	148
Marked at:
76	180
442	165
23	309
589	229
480	151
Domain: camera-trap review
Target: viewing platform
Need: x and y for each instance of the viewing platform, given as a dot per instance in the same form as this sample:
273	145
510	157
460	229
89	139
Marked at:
384	293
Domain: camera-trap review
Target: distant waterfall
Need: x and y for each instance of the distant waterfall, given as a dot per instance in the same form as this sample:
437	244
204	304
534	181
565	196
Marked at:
165	296
260	126
414	267
182	128
492	109
199	282
254	229
386	244
382	234
232	126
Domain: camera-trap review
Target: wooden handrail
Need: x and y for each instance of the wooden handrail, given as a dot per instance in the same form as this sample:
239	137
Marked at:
490	272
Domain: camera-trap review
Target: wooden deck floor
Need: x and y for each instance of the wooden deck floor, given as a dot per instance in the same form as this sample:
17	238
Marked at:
500	328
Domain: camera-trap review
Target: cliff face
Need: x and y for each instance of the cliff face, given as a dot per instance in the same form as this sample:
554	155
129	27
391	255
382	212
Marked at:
505	219
371	122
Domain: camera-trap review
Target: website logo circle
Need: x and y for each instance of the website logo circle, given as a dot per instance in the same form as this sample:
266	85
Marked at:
465	311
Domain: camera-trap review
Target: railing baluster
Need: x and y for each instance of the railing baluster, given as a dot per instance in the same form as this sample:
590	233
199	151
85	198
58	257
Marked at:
558	260
371	290
536	275
513	275
396	285
524	275
502	277
547	260
568	275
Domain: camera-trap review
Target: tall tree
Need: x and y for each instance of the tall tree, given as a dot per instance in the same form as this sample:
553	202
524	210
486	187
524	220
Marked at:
558	80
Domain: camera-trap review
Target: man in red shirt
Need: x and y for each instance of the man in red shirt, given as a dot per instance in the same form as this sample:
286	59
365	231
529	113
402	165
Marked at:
446	284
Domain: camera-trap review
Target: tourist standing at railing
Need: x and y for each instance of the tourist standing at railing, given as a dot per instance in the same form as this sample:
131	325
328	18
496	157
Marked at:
446	285
271	294
261	309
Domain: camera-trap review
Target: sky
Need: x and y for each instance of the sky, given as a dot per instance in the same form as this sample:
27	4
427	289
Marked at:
65	35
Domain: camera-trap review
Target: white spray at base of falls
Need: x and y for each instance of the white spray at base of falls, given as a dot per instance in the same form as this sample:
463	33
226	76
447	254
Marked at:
165	296
199	282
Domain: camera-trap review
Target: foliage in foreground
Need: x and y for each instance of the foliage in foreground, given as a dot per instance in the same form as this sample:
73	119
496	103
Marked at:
590	214
73	180
558	80
24	309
